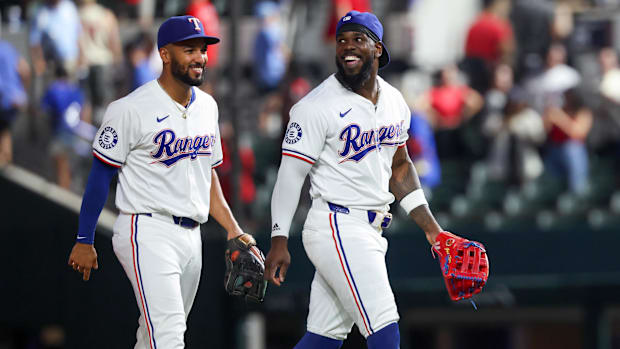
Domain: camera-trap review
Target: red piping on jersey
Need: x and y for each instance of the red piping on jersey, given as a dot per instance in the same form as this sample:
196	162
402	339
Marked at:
105	161
345	272
299	157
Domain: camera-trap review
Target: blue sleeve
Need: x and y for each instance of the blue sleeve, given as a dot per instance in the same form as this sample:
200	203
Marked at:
94	199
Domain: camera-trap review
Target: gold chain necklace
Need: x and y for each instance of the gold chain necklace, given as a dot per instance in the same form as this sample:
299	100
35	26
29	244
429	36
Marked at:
175	103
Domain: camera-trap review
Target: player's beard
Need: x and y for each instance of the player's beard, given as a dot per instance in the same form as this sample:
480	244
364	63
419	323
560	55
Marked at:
177	72
356	81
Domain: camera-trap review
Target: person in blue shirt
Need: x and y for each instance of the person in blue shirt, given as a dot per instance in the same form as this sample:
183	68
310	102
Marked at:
64	103
270	52
14	71
423	151
54	35
138	51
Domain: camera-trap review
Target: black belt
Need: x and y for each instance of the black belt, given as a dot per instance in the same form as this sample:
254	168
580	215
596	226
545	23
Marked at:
182	221
372	215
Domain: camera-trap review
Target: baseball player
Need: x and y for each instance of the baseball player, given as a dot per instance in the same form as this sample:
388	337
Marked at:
349	134
164	142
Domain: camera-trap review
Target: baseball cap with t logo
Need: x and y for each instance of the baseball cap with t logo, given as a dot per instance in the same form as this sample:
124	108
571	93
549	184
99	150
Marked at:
180	28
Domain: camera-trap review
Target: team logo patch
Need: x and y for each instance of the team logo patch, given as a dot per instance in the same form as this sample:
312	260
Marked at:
293	134
108	138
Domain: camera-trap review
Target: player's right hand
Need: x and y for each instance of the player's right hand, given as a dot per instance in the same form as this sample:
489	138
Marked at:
277	258
83	258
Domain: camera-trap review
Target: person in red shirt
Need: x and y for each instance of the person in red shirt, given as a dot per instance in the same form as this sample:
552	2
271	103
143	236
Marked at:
489	42
246	184
490	36
206	12
338	9
449	105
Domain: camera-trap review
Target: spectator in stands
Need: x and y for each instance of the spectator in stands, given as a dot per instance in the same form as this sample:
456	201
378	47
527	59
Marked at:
14	74
102	52
206	12
513	130
566	154
449	105
546	89
142	10
267	141
604	138
270	51
246	185
423	152
514	151
532	21
64	103
55	36
605	135
489	42
610	81
138	55
495	100
338	8
296	85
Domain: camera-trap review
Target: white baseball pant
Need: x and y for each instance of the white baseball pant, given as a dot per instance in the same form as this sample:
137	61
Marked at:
163	262
350	283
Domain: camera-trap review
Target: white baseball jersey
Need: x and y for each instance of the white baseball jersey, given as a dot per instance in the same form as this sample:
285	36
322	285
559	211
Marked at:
350	141
165	159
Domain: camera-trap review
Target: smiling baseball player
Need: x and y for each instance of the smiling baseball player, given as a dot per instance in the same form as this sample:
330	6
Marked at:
165	140
349	134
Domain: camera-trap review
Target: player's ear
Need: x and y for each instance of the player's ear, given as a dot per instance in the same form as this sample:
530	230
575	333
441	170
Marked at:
378	49
164	54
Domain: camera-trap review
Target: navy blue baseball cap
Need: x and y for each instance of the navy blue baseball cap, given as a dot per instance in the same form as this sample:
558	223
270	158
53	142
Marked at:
180	28
354	19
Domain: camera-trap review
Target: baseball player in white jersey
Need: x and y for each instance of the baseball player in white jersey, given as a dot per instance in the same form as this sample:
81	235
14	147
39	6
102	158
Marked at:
164	142
349	134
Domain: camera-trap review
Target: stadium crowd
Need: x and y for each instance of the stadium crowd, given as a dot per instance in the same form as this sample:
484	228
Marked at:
515	117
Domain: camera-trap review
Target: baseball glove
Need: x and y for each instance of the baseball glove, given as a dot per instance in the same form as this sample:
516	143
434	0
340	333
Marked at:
464	265
245	266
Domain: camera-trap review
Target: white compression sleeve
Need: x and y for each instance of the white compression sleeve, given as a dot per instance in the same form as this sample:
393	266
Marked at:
285	197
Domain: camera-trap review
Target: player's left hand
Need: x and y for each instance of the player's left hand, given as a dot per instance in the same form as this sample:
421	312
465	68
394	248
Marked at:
431	236
464	264
245	268
278	259
83	258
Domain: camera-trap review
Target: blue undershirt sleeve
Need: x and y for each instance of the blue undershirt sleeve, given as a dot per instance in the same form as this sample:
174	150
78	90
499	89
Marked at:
94	199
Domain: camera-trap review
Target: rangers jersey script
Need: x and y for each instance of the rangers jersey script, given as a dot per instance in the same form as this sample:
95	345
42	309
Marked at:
165	152
350	141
